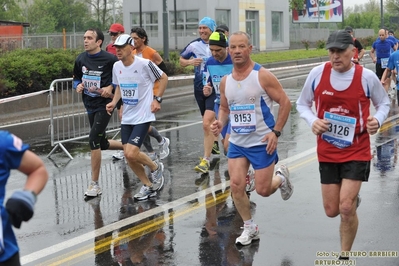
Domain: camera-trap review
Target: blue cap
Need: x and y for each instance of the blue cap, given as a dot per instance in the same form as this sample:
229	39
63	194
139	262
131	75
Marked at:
210	23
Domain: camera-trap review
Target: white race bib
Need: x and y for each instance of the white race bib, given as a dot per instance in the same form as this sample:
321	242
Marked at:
130	93
91	85
341	130
243	118
384	62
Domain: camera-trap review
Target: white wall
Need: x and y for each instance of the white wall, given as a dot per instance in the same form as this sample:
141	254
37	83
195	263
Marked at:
206	8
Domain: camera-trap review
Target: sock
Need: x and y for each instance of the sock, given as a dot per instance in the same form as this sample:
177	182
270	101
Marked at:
249	222
147	144
154	133
282	179
207	159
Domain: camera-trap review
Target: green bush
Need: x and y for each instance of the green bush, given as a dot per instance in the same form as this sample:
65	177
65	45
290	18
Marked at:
321	44
367	41
173	65
25	70
306	43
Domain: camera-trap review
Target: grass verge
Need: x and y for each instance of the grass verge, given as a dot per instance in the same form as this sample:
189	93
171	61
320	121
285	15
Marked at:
287	55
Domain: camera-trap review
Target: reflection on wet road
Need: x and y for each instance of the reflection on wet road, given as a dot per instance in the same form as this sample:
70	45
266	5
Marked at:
194	221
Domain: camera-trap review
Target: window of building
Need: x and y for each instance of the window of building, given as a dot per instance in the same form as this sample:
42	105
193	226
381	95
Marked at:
277	26
149	22
222	17
187	23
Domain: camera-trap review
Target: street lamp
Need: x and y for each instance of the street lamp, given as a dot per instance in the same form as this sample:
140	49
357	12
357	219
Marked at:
318	14
141	14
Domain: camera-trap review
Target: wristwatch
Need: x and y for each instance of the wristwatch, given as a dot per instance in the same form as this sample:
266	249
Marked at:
159	99
278	133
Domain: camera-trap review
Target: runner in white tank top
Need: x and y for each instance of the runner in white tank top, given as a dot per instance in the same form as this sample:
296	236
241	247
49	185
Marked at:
247	96
250	110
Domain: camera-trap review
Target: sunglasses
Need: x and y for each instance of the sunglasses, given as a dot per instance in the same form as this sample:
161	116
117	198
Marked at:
113	33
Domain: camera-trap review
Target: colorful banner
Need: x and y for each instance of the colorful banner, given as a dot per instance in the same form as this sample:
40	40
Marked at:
315	11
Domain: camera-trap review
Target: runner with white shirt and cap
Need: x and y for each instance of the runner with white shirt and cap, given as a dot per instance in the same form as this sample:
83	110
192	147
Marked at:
134	78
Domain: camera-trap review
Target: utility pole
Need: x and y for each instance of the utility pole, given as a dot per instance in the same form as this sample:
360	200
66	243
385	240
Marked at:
165	32
175	12
113	11
141	15
318	14
382	14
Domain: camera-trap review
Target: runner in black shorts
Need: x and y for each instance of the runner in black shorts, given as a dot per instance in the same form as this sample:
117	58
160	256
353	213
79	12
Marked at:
93	79
134	78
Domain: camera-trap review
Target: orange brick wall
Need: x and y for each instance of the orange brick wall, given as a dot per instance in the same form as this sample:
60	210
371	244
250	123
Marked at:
11	30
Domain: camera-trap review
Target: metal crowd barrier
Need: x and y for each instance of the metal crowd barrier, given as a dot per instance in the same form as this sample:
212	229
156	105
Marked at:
18	109
68	118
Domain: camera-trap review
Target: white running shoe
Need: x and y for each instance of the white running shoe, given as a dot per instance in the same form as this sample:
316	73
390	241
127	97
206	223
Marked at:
145	193
250	180
93	191
286	188
153	156
164	148
250	233
118	155
157	178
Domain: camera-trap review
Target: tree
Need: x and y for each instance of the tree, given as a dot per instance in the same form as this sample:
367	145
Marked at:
365	16
54	15
392	6
296	4
103	12
10	10
363	20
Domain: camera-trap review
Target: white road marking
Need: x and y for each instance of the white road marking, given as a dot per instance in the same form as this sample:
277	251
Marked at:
40	254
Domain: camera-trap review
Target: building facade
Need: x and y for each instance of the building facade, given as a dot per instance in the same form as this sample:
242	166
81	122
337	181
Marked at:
266	21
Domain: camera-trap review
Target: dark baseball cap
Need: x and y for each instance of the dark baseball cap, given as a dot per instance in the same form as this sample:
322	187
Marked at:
222	28
339	39
348	29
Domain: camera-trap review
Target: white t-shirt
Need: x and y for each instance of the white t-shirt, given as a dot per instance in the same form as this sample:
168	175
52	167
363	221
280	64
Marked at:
136	82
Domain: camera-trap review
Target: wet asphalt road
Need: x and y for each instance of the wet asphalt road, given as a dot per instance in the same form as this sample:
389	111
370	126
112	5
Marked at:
193	221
